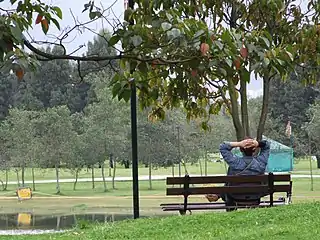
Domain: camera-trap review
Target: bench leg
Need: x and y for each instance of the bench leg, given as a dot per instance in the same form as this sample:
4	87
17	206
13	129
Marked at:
231	209
182	212
229	202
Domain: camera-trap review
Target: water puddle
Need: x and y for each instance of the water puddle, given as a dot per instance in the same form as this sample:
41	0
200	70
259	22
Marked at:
26	223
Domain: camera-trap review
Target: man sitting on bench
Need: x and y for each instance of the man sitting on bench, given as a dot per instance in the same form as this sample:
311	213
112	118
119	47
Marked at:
248	164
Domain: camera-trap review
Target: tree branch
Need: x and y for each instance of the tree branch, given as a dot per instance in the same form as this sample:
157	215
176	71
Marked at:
43	56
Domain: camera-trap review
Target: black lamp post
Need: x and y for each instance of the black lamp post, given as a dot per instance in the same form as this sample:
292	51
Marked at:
134	140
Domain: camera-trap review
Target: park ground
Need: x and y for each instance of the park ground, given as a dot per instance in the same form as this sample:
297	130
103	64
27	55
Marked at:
119	200
297	221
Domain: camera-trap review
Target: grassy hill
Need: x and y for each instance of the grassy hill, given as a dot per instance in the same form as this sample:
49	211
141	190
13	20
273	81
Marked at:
300	221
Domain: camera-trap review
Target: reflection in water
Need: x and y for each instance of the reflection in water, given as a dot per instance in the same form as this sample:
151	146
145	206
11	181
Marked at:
44	222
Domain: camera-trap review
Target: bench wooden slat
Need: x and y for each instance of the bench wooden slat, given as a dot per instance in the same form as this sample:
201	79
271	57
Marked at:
230	179
164	205
215	206
227	189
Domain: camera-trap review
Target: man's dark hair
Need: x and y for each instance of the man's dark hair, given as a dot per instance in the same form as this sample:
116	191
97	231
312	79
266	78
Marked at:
247	151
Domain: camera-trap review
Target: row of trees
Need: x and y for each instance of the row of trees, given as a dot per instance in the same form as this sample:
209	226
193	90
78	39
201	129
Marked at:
58	117
56	138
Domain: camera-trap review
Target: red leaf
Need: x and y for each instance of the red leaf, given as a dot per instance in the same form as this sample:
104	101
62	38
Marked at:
154	64
20	73
244	52
194	73
204	48
39	18
45	25
237	63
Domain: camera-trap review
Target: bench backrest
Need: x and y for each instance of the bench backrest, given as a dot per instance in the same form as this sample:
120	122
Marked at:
238	184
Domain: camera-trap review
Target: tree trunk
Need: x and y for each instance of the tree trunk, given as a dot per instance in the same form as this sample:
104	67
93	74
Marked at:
103	177
318	160
206	163
22	175
114	174
92	176
265	106
18	178
200	166
2	184
150	175
235	110
33	181
6	184
57	177
172	169
244	107
110	170
231	86
76	180
110	164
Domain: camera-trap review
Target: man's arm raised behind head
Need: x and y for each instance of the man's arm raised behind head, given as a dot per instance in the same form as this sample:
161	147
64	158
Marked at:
264	153
226	152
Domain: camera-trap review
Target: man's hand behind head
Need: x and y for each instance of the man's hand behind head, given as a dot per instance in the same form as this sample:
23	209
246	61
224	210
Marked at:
249	143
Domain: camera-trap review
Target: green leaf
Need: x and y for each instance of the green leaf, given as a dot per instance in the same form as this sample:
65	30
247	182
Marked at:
223	71
126	94
255	66
266	61
215	108
58	12
226	37
198	34
229	62
56	23
123	64
166	26
266	41
113	40
212	63
143	67
245	75
169	16
115	90
194	63
174	33
290	55
282	63
219	45
114	80
92	15
127	14
133	65
136	40
16	32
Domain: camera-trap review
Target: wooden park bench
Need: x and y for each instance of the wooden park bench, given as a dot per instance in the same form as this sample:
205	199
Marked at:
243	185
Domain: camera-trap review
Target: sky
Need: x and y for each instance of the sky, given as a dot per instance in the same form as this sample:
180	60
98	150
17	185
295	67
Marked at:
76	39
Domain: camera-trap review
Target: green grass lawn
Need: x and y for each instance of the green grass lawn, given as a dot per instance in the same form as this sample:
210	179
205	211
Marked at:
116	200
86	199
300	221
213	168
43	174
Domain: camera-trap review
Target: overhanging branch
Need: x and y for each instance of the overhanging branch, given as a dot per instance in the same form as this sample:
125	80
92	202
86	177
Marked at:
43	56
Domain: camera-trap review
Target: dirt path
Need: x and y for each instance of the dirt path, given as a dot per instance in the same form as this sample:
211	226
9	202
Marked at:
118	197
